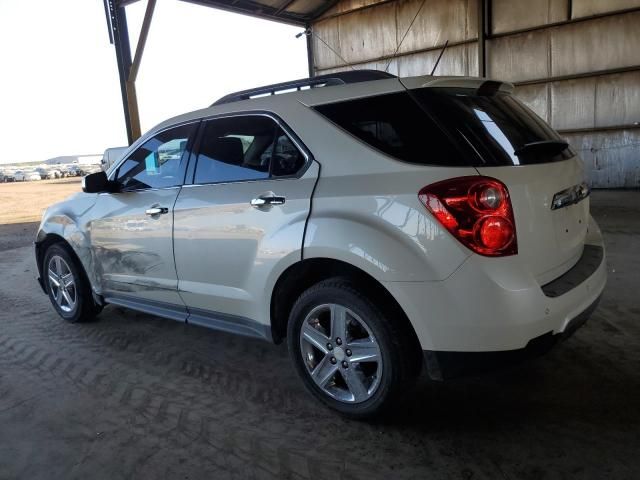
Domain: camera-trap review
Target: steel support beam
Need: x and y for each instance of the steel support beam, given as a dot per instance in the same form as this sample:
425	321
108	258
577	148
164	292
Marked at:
128	69
142	40
117	22
575	76
310	60
484	16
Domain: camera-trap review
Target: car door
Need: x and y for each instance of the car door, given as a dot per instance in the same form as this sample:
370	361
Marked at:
131	234
242	218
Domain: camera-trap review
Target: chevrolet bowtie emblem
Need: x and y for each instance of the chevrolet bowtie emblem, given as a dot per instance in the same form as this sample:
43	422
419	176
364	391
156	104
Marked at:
570	196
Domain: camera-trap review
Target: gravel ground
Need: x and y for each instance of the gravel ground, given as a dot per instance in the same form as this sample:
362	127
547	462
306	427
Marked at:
134	396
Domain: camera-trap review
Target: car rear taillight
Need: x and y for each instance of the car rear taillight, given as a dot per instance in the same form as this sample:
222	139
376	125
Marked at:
477	211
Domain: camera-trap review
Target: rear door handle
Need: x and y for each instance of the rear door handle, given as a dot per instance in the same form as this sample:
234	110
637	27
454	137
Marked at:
264	201
156	211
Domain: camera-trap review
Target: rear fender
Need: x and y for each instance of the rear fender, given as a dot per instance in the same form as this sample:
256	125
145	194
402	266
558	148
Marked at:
381	249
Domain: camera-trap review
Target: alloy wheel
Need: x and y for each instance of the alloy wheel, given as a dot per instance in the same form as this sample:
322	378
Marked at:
62	284
341	353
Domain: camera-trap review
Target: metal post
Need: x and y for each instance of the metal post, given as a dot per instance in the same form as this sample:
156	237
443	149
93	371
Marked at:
117	19
484	16
310	59
142	40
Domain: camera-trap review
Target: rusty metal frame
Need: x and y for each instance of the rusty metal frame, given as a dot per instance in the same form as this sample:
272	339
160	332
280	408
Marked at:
128	68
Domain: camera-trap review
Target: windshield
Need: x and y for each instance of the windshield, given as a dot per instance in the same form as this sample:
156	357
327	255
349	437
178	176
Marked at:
495	126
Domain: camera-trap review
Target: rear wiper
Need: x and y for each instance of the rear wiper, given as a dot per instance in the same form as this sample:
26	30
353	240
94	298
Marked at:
550	146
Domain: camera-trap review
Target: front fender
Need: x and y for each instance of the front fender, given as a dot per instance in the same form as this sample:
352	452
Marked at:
66	220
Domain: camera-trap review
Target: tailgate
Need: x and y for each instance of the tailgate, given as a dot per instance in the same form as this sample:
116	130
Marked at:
550	241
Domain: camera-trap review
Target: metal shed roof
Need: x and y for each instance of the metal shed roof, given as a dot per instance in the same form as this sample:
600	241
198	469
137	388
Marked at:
294	12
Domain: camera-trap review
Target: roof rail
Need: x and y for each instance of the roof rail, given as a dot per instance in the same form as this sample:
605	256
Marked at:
338	78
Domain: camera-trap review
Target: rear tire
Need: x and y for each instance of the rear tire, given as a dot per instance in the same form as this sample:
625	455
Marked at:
67	285
358	369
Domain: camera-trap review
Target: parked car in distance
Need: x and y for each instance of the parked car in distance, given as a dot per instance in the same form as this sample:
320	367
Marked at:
31	176
375	223
72	170
88	169
110	156
9	176
45	173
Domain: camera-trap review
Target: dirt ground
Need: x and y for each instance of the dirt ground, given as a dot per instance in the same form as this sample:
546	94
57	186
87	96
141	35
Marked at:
134	396
24	202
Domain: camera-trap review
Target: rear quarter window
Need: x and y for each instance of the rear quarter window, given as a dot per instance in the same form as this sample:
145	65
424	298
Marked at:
396	125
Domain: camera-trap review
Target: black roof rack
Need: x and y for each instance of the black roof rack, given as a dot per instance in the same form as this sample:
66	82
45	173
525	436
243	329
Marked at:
339	78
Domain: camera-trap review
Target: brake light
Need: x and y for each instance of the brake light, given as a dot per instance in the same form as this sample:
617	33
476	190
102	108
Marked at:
477	211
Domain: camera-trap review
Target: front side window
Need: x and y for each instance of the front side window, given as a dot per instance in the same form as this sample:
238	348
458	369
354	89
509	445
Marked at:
243	148
158	163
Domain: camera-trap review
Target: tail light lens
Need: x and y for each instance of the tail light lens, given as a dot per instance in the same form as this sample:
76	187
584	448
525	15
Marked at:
477	211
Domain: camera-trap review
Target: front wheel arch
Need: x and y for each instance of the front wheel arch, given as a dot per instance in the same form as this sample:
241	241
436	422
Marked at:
42	245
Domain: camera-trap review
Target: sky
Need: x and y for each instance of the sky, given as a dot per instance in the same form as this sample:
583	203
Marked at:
59	87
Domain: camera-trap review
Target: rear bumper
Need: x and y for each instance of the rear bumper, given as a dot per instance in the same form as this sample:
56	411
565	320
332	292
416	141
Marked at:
494	305
447	365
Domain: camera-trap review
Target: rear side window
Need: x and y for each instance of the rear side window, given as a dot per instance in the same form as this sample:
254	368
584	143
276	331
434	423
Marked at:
244	148
396	125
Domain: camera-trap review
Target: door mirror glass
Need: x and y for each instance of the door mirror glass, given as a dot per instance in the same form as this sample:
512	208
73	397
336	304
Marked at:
96	183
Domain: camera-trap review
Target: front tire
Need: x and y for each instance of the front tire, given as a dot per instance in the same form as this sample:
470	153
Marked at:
349	354
67	286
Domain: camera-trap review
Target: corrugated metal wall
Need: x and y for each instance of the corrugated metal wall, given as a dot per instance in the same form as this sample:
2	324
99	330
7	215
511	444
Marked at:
575	62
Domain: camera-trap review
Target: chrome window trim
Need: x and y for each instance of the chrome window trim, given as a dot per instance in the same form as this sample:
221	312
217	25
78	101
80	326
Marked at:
141	141
137	190
308	156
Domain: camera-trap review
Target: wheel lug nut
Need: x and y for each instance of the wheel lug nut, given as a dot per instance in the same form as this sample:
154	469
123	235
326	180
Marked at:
333	360
338	341
345	364
348	352
329	346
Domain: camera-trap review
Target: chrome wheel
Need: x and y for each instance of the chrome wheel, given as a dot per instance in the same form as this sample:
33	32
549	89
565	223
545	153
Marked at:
341	354
62	284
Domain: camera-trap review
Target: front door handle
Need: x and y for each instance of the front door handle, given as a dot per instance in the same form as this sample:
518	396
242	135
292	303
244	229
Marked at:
156	211
263	201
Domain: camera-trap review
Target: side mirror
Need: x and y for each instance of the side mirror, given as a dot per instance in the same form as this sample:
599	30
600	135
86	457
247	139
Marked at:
96	183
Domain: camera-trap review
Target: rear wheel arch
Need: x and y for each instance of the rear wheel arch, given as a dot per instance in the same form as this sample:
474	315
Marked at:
306	273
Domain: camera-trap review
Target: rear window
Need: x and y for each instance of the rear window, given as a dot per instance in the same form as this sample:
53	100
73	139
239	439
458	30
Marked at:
450	127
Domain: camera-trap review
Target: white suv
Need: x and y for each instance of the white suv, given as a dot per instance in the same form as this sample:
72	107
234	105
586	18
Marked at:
376	223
